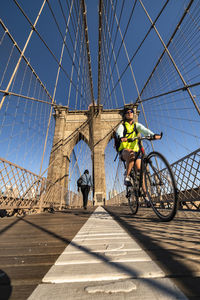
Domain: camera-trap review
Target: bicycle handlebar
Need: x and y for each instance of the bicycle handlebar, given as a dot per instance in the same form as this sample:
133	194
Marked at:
149	137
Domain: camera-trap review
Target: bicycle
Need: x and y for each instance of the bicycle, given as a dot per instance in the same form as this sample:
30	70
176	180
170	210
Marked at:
156	176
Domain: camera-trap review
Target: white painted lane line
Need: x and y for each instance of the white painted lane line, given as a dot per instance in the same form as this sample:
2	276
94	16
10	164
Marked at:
105	263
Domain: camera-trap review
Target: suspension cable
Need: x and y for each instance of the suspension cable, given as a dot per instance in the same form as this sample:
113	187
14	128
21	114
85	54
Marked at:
171	58
22	53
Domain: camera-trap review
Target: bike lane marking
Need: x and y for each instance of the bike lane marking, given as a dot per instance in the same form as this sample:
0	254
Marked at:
103	260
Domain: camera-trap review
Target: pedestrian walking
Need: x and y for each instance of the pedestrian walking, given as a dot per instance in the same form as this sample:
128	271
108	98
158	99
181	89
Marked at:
85	183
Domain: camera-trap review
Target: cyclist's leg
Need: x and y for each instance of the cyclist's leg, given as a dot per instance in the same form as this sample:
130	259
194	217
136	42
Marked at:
138	167
128	155
138	164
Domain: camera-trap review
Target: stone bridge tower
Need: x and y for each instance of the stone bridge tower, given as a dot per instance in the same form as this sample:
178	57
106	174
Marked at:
96	127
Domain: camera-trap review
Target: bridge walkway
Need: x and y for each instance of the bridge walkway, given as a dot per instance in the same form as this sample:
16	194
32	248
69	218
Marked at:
31	245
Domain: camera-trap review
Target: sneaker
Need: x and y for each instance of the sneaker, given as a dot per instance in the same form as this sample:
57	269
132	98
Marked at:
127	181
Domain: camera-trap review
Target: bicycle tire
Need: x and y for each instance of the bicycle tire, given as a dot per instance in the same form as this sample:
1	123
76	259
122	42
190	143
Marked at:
161	186
132	200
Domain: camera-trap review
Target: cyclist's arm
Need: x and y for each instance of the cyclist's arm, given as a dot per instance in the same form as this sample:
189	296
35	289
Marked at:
120	131
145	131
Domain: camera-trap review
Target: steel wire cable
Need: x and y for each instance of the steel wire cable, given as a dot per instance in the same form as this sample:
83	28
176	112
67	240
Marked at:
64	17
178	110
48	48
107	32
60	32
74	56
116	33
125	48
81	62
168	44
8	61
23	56
55	88
185	42
104	79
84	86
125	32
112	80
126	68
121	88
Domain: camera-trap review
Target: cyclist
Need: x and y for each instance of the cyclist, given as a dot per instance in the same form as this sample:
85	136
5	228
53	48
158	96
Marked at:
129	150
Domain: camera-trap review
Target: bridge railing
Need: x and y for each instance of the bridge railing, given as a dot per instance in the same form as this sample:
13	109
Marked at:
22	191
187	174
118	199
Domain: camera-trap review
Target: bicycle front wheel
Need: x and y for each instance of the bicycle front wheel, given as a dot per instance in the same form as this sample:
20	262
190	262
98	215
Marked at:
132	200
161	186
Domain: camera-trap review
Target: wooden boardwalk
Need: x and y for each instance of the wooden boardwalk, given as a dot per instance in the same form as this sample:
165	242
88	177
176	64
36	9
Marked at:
174	246
31	244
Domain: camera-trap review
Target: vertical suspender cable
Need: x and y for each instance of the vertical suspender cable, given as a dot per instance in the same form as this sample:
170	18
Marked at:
116	66
20	58
99	54
55	88
74	56
171	58
88	51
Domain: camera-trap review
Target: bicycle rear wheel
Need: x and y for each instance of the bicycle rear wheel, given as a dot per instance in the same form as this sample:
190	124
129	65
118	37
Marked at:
161	186
132	200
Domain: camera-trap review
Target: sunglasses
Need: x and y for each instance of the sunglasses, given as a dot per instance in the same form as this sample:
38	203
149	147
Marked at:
129	112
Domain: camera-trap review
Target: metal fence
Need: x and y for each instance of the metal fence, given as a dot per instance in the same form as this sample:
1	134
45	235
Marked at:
187	175
24	191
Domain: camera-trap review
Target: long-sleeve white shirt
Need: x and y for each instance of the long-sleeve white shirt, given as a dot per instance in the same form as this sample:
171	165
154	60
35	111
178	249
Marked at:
140	128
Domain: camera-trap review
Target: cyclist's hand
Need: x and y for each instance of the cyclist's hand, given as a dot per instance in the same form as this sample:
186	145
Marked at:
158	136
124	139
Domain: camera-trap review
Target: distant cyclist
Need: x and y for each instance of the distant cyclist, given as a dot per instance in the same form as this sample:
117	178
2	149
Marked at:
129	150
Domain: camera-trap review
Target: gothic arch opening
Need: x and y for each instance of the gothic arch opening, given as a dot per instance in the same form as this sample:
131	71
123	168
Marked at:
80	160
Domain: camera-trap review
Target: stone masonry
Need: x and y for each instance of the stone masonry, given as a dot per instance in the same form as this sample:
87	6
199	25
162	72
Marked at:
96	127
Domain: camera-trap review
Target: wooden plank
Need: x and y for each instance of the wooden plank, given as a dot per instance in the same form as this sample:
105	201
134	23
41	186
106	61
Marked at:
34	250
30	245
174	246
28	260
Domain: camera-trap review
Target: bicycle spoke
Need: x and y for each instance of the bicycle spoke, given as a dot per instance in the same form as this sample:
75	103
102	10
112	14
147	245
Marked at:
161	186
132	200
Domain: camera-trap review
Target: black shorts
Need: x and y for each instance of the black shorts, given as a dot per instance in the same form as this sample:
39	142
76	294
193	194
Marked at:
137	155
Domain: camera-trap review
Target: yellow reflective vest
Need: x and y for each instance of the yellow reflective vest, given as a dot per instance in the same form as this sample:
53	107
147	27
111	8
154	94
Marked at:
131	132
